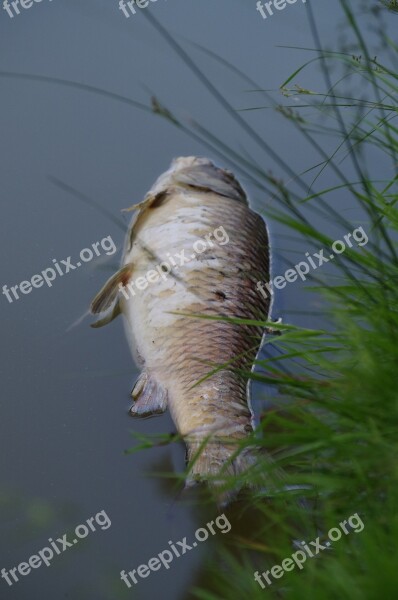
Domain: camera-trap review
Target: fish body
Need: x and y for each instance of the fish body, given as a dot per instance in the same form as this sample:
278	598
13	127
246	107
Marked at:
178	322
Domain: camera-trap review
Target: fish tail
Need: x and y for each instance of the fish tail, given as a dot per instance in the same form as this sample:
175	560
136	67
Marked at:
225	469
220	465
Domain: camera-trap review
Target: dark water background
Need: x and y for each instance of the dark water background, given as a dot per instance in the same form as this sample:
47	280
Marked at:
65	394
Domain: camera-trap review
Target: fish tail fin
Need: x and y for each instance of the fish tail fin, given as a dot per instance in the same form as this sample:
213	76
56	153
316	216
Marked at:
218	463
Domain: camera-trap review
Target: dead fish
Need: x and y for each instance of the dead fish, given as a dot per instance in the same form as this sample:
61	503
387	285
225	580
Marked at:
175	351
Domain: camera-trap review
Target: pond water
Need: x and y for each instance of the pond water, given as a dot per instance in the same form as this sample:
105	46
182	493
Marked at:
65	390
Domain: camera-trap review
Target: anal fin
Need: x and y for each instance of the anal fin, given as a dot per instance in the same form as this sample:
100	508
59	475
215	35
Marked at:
150	397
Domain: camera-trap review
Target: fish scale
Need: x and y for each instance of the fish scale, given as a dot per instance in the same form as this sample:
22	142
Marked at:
172	340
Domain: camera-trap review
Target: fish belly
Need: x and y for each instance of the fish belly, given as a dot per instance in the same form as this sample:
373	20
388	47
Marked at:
179	325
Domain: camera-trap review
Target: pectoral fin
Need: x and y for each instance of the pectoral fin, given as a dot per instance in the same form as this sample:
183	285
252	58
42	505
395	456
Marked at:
150	201
108	294
112	314
150	397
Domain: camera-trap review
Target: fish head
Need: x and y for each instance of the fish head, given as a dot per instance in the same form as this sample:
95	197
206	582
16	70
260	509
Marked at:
200	174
